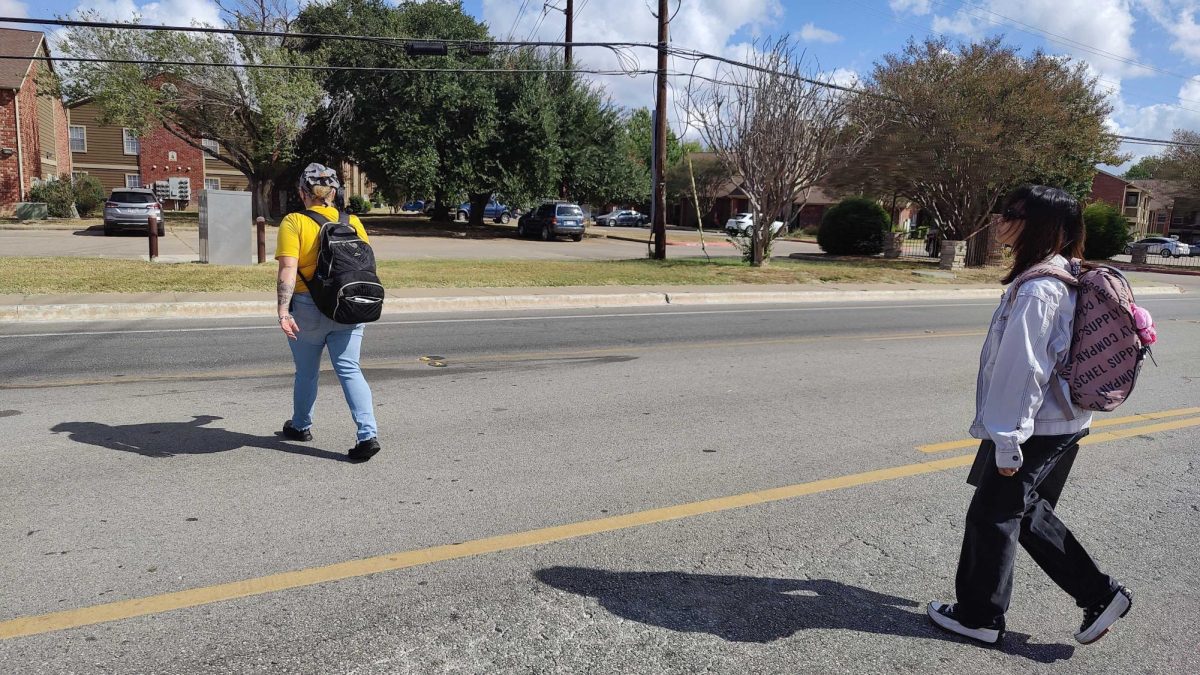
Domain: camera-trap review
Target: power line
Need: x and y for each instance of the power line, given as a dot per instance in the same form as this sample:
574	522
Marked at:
289	66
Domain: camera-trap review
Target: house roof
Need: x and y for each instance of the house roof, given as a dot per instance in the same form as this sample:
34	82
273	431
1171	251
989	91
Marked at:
18	43
1164	192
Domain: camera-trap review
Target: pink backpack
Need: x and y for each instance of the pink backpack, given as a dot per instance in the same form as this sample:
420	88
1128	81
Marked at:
1111	336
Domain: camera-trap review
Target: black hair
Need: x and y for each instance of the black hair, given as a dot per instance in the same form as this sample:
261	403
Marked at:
1053	224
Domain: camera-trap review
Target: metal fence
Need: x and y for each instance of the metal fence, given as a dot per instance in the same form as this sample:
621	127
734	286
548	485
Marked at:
927	248
1155	260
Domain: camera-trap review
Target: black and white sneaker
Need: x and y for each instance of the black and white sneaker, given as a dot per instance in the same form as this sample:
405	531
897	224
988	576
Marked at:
1099	618
293	434
943	615
364	450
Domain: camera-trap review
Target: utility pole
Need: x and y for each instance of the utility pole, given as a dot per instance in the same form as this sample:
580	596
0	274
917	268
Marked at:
570	12
660	139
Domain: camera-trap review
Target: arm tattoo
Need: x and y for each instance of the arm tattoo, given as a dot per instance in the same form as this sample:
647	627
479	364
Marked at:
285	289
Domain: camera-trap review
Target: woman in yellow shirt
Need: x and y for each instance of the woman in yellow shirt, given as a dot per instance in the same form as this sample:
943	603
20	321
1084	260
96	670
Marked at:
309	331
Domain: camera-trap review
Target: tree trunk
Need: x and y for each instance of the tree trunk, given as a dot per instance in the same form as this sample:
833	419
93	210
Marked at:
758	242
440	212
260	190
479	202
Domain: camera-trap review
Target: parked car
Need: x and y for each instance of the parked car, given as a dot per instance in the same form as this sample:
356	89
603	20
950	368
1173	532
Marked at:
623	218
1195	247
1164	246
493	211
739	225
130	208
416	205
552	220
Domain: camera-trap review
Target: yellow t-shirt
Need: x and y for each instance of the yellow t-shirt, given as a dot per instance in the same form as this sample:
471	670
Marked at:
298	239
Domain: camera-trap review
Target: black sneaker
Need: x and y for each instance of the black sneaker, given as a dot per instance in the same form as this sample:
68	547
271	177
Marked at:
293	434
1098	618
943	615
364	450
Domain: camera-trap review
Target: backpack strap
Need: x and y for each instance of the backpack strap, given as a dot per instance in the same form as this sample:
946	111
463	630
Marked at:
322	222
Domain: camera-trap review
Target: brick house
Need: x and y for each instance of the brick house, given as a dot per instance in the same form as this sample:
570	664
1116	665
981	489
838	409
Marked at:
1133	201
118	157
1174	209
33	126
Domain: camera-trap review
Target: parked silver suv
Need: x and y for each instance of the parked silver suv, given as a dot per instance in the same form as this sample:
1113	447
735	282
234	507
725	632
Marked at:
129	208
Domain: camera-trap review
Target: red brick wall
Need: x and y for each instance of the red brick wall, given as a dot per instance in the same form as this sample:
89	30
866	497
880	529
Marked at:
1109	190
155	163
62	136
9	192
31	146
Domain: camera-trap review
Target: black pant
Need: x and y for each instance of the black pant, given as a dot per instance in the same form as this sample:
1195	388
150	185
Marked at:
1006	510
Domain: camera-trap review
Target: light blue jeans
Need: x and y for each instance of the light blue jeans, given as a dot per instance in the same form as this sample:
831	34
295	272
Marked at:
344	341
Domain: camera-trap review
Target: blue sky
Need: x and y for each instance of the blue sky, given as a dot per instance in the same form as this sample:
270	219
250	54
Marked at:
1146	52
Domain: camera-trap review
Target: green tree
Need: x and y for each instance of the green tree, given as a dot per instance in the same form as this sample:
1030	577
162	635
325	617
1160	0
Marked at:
1107	231
255	114
959	126
443	133
1146	168
58	195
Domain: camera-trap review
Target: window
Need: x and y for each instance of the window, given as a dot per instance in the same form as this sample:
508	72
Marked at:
212	183
132	145
121	197
172	157
1161	217
76	175
211	147
133	180
1131	198
1176	220
78	138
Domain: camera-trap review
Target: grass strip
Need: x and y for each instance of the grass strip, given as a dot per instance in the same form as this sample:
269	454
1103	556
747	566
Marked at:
31	276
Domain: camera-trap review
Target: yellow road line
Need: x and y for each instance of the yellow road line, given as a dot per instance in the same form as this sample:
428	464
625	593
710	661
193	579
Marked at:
125	609
1099	424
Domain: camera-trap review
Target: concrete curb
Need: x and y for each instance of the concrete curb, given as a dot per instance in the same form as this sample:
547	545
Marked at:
22	313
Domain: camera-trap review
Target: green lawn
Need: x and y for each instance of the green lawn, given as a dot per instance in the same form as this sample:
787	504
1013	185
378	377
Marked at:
96	275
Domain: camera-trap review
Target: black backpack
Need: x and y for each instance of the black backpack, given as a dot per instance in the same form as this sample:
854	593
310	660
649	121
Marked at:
344	286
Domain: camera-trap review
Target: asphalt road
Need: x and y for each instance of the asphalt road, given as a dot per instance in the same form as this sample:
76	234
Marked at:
143	466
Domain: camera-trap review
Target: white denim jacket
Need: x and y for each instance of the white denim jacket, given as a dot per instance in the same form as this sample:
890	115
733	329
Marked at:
1028	340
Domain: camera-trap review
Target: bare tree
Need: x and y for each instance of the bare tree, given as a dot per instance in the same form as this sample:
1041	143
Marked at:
777	127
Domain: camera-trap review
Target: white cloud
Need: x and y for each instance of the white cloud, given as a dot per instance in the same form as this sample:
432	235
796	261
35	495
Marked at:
703	25
960	24
810	33
1156	121
169	12
1077	27
917	7
843	77
13	8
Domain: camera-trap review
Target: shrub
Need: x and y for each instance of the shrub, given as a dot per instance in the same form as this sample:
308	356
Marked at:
58	195
1107	232
89	194
854	226
358	204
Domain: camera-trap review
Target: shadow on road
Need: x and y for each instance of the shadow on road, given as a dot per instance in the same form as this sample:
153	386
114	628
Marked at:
168	439
756	609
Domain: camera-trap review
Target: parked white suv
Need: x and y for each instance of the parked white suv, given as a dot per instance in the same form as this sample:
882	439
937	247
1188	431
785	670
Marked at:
739	225
1164	246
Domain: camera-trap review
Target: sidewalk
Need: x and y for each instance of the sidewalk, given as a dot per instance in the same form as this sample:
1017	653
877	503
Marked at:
101	307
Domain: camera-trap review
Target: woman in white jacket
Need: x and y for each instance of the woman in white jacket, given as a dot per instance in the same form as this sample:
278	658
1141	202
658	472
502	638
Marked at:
1030	433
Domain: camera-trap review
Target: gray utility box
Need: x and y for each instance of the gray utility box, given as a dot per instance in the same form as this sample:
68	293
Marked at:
226	227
